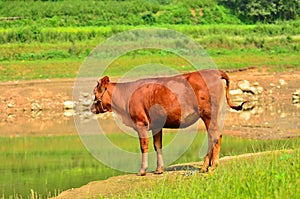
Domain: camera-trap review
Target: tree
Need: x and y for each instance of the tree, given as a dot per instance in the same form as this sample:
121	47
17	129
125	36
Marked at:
252	11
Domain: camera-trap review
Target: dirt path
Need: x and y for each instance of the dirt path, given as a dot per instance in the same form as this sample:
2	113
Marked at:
114	186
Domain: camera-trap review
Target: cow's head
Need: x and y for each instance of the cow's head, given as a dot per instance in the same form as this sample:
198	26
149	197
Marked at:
102	101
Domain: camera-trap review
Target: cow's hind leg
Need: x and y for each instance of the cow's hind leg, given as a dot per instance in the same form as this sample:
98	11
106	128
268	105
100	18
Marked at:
157	142
215	153
214	144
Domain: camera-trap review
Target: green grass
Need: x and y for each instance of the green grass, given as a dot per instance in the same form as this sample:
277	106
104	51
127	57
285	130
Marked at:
274	175
59	52
30	70
49	165
224	59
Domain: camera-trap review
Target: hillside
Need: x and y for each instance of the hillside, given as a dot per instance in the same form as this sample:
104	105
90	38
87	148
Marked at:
134	12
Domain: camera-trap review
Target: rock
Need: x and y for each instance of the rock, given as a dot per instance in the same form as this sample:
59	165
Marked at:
86	103
260	89
11	117
282	82
255	84
236	92
69	105
253	90
296	93
244	85
36	106
10	105
238	99
272	85
69	113
83	94
296	99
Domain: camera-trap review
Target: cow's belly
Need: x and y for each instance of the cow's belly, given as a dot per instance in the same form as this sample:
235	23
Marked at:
178	122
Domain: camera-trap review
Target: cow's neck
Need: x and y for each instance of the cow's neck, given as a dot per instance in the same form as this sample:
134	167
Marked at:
120	94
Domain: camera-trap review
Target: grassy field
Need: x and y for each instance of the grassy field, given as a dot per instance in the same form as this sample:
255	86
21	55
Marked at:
68	68
49	165
63	50
274	175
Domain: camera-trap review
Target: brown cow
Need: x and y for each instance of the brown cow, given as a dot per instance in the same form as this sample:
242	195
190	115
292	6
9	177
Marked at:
168	102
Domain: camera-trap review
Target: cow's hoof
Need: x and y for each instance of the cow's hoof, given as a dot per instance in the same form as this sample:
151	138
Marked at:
159	171
141	173
204	170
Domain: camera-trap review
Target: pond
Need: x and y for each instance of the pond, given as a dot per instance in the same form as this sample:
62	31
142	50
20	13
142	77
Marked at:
47	166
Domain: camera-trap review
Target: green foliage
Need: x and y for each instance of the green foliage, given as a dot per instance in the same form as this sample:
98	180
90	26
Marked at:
264	10
134	12
31	34
103	13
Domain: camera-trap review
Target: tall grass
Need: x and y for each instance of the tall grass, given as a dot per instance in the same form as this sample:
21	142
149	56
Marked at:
30	34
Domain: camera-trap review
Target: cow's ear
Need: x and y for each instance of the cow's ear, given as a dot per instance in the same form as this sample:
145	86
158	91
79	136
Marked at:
104	81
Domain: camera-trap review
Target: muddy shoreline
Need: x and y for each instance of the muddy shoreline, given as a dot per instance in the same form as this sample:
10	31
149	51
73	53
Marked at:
36	108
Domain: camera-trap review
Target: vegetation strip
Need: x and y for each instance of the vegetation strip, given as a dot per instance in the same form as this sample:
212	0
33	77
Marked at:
153	185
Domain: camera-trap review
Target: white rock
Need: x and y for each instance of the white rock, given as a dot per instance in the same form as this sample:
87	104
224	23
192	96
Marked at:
69	113
236	92
69	105
87	103
244	85
83	94
295	97
238	99
253	90
260	89
296	93
10	105
282	82
296	101
36	106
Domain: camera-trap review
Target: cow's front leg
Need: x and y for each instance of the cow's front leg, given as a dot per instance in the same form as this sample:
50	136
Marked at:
157	142
144	141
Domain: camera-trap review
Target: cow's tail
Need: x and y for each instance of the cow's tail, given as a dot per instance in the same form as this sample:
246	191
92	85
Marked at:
226	78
